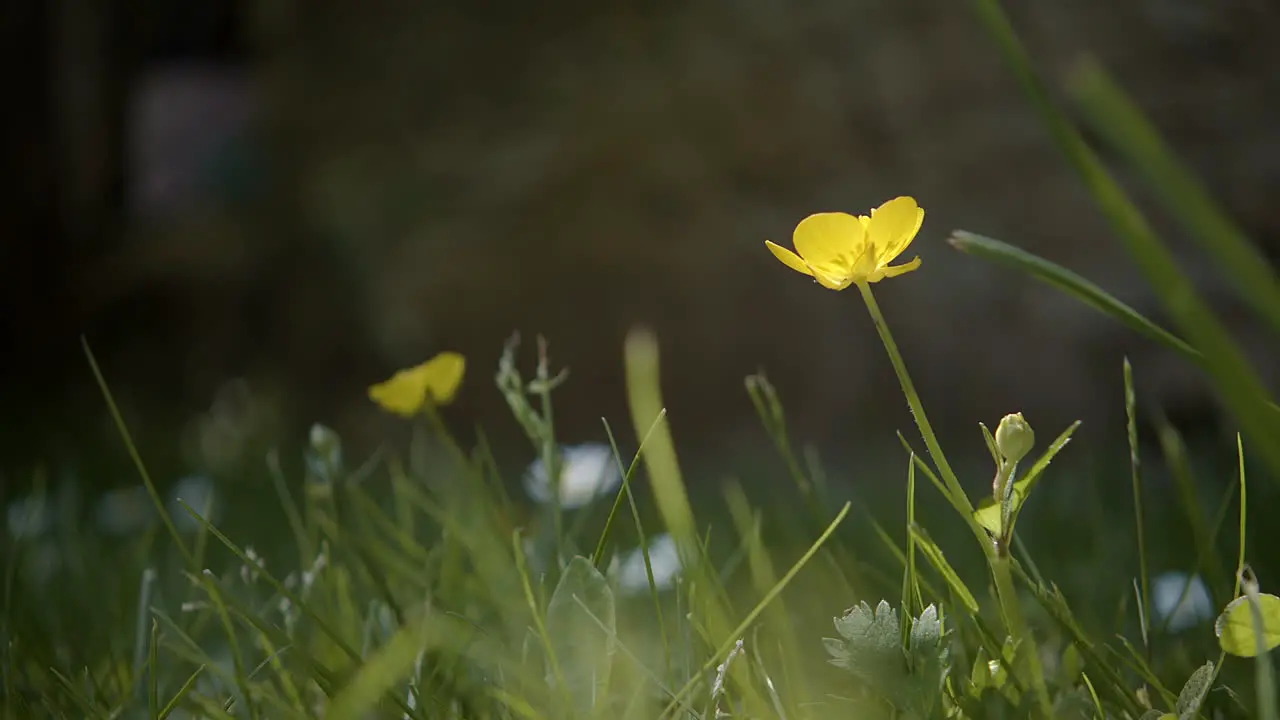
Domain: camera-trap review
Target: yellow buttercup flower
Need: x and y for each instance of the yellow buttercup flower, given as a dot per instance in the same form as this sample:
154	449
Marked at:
839	250
406	392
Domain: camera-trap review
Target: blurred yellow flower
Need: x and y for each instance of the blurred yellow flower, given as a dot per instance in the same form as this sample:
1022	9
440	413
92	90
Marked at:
839	250
406	392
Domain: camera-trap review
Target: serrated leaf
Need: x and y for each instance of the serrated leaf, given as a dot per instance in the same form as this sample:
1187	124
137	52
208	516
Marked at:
871	650
1194	692
926	632
1238	634
582	625
929	662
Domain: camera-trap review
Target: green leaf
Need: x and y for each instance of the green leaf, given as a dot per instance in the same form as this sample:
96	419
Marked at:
929	657
1238	634
939	562
991	444
1194	692
871	650
988	512
582	625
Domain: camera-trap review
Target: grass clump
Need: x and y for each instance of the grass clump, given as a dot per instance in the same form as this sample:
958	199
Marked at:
403	588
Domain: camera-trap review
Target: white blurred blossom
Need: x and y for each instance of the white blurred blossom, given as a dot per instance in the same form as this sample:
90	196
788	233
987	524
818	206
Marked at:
125	511
1172	607
664	557
587	472
29	517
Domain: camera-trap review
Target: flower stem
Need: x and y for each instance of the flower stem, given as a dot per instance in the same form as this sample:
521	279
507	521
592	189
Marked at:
1010	609
913	401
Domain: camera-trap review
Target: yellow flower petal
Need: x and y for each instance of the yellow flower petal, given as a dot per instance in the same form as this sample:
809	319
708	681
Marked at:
828	240
788	258
889	271
833	282
893	225
903	242
406	392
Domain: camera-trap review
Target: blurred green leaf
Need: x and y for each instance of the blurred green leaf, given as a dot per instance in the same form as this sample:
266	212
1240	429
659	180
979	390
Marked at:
1238	633
582	625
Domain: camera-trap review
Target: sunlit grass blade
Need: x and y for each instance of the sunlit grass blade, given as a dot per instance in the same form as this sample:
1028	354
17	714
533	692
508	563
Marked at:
386	669
1131	134
1226	364
1073	284
764	577
647	411
751	617
644	395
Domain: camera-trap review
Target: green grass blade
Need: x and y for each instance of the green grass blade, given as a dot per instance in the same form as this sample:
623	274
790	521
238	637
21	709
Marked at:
1119	120
153	671
178	697
214	591
388	667
764	577
938	560
1069	282
776	590
136	457
1144	576
338	640
1230	370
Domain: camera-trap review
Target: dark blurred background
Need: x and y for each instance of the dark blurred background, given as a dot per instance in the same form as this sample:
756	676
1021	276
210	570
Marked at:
254	210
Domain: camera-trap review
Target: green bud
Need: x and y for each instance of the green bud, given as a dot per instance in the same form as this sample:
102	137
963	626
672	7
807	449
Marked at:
1014	437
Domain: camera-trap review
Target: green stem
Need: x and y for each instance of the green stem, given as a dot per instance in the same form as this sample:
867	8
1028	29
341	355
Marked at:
913	401
1016	623
1010	609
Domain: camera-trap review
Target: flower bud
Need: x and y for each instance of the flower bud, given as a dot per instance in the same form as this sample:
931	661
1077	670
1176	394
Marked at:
1014	437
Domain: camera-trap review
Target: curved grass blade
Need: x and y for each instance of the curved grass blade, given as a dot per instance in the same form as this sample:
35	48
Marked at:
1233	375
1074	285
1119	120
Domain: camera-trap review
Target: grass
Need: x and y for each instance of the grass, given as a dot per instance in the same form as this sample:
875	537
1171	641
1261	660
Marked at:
402	588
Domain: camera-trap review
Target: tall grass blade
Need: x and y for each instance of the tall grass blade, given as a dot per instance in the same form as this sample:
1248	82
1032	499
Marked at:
1130	133
1227	365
